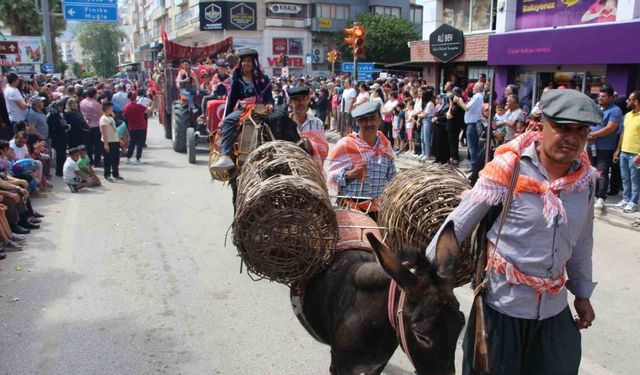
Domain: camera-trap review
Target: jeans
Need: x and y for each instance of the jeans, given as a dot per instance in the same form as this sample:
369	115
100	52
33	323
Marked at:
602	162
112	160
425	136
95	146
472	142
136	140
189	94
630	178
228	132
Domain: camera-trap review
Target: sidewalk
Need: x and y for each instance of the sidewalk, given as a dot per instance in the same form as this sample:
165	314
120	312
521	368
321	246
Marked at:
609	215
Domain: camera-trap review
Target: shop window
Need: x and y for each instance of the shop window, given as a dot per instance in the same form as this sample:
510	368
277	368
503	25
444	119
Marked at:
474	73
415	14
333	11
470	15
392	11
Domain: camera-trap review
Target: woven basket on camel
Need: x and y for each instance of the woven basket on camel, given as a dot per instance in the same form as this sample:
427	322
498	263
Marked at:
285	229
414	205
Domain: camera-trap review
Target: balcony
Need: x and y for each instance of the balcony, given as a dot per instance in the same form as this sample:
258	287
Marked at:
159	12
327	25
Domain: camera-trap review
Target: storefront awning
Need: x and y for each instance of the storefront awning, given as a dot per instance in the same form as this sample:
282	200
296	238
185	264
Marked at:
599	44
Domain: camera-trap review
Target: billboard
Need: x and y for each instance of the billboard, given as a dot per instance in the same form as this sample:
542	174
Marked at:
30	50
549	13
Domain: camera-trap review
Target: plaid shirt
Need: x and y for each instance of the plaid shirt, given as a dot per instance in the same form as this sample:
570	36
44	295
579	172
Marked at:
380	170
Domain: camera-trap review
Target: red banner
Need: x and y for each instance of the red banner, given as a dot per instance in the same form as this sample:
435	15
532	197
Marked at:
174	50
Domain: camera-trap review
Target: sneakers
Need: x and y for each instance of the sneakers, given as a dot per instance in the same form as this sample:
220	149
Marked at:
128	161
73	188
599	204
137	162
110	179
119	178
621	205
18	237
225	163
630	208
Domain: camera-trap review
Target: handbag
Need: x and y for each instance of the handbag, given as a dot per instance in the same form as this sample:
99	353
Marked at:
481	353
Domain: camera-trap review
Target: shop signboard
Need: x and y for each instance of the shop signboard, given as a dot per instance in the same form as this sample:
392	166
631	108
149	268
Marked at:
285	8
446	43
325	23
565	46
242	16
226	15
212	15
29	49
8	48
550	13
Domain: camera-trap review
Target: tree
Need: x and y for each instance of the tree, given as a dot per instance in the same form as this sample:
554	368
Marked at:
100	43
23	19
386	39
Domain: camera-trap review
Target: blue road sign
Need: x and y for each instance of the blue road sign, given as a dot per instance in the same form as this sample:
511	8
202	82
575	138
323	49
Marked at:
362	67
92	2
91	12
48	68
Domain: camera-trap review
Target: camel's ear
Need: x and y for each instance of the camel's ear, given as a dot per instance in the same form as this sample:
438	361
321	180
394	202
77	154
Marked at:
391	264
447	252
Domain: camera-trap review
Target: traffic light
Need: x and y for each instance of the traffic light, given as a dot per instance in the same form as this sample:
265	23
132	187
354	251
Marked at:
332	56
355	40
285	60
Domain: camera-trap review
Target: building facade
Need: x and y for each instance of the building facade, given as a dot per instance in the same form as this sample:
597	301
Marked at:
302	29
580	44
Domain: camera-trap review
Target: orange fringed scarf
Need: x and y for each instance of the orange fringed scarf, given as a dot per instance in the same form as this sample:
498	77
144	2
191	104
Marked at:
496	176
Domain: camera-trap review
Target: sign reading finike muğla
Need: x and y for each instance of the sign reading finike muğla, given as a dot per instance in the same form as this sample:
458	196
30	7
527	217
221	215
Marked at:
446	43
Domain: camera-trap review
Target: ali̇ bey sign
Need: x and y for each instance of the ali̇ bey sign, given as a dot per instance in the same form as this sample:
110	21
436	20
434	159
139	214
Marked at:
446	43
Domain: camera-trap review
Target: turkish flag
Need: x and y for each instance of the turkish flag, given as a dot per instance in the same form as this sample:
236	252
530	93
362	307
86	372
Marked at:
215	112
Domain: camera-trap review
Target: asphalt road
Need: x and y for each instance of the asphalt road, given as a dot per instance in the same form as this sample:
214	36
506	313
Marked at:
135	278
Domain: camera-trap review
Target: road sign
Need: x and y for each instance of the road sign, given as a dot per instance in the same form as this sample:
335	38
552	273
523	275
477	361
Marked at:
48	68
96	12
363	67
92	2
9	48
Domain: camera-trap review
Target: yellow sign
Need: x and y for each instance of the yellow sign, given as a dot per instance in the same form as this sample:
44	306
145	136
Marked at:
325	23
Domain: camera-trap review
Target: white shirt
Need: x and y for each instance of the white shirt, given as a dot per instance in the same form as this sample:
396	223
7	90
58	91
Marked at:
21	152
347	98
69	170
12	96
362	97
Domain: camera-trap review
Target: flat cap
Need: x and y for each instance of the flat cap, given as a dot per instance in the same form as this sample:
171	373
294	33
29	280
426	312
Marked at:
570	107
365	110
247	52
298	91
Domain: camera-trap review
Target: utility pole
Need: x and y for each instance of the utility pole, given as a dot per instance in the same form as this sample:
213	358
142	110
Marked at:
46	25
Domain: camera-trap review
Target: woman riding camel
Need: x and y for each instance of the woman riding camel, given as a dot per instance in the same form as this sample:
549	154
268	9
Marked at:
248	86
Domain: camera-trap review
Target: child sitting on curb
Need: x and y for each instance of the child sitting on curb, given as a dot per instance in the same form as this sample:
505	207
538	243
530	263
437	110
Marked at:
70	171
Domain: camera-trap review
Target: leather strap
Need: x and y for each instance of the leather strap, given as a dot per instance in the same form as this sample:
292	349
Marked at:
503	216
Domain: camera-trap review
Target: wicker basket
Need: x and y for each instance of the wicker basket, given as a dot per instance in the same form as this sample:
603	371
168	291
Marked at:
285	229
414	205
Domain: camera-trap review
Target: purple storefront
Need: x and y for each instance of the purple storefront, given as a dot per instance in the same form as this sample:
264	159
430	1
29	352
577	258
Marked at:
580	57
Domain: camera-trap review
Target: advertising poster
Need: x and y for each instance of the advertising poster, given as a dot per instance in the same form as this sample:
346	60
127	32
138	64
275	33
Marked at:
280	45
548	13
212	16
295	46
242	16
30	50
